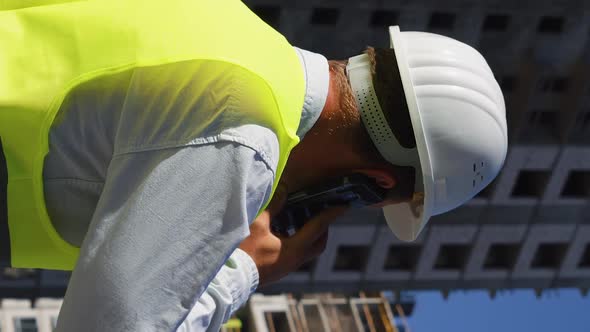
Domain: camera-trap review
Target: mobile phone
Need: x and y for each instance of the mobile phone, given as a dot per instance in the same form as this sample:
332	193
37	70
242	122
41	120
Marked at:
356	191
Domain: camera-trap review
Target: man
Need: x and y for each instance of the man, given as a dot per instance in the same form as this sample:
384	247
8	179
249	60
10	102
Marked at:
153	135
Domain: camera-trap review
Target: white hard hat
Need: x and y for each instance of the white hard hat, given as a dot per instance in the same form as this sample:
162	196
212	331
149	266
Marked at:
458	118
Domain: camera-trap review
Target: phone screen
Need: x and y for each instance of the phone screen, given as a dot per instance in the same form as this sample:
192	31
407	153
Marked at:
355	190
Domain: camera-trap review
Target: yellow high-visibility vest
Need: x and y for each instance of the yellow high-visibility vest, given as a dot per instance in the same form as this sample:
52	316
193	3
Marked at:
48	48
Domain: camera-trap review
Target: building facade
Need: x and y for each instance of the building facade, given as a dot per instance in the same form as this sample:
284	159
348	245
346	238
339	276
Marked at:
531	227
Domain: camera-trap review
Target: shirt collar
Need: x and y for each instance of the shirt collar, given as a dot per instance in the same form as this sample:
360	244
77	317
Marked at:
317	81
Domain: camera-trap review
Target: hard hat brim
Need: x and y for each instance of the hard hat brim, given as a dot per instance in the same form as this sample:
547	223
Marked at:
407	219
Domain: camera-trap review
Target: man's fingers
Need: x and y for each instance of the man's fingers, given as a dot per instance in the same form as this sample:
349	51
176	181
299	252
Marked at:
316	227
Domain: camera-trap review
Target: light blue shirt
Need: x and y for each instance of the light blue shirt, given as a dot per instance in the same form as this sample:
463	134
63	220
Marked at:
158	206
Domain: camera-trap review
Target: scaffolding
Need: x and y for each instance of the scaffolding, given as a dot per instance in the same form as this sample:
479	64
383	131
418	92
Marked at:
326	312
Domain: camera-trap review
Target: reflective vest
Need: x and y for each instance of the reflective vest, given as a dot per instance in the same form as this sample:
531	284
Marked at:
47	49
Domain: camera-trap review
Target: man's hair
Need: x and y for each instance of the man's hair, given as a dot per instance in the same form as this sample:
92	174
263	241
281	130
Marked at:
392	101
346	102
389	90
391	97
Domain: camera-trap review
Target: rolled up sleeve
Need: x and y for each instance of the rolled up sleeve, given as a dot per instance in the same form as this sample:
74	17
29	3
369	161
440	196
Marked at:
227	292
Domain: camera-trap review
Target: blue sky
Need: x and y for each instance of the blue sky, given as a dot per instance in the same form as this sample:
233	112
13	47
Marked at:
520	311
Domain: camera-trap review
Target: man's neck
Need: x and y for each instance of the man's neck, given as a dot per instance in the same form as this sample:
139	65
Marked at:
323	152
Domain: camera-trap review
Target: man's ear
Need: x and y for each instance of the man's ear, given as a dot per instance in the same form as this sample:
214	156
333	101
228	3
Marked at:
383	178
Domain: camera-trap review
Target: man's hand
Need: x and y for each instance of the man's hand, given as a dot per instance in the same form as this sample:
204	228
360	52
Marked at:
276	256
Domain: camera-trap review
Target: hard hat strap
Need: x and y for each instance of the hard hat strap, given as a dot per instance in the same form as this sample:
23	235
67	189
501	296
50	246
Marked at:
374	119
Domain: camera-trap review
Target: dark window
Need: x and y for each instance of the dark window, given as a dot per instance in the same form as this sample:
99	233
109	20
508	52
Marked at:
549	255
543	123
277	321
496	22
577	185
582	125
545	118
441	21
530	184
351	258
28	324
501	256
402	257
585	260
555	84
383	18
269	14
507	83
544	85
560	84
452	256
550	25
325	16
